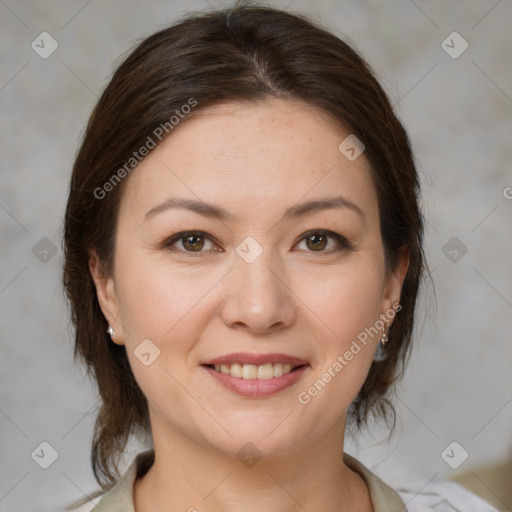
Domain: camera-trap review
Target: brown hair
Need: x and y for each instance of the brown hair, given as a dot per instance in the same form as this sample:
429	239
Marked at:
245	53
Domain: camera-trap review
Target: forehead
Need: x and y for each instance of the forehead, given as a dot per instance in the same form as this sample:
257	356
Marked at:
244	155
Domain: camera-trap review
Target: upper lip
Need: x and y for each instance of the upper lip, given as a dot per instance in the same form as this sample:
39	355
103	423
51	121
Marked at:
256	359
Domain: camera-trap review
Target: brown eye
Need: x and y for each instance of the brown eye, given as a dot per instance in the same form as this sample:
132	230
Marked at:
190	242
316	242
322	241
193	243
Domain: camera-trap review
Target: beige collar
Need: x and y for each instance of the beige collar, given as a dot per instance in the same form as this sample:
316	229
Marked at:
120	497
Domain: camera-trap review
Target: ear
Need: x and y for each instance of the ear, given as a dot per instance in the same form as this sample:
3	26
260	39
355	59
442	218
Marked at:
106	294
395	280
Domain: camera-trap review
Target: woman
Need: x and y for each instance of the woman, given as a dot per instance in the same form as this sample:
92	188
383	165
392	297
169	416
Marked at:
243	250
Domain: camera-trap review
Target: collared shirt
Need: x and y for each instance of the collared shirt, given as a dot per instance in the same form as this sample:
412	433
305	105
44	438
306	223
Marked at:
438	497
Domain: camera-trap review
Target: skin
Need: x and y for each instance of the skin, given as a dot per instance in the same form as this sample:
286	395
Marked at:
255	161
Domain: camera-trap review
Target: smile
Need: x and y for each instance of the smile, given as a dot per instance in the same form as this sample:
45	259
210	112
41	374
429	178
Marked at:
252	371
253	381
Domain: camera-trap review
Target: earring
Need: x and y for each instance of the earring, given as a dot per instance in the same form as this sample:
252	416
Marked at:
380	352
110	331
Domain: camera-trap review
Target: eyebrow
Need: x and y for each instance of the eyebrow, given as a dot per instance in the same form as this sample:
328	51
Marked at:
216	212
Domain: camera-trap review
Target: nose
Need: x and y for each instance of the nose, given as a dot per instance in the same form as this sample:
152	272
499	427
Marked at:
257	298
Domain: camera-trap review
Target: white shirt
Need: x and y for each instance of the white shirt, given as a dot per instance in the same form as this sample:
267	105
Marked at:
443	497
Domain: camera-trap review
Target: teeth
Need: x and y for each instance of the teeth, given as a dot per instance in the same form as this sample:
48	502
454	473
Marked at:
265	371
251	371
278	370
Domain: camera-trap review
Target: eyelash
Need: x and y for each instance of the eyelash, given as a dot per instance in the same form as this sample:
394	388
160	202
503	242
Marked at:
343	243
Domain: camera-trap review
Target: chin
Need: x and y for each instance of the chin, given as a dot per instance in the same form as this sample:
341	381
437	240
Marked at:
257	439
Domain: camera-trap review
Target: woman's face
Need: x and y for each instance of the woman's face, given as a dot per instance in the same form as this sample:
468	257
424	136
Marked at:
256	274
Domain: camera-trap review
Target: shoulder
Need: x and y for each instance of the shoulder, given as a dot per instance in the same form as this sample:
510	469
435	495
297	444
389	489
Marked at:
120	497
384	498
442	496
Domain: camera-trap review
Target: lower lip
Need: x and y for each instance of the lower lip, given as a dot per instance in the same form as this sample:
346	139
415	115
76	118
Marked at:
257	388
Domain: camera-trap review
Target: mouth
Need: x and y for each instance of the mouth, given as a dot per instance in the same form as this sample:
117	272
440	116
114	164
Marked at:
251	371
256	375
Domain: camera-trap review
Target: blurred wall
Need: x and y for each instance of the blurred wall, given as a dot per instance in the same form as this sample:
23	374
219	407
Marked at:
456	103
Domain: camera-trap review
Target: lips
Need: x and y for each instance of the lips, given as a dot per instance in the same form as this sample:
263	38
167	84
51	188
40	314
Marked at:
255	359
256	375
257	388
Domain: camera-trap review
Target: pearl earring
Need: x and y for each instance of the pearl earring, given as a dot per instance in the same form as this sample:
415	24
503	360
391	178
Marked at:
110	331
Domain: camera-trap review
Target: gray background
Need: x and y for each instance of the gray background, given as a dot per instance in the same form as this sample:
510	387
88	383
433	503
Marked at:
458	386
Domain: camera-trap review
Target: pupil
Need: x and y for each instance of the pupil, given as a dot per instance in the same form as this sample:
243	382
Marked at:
194	241
318	241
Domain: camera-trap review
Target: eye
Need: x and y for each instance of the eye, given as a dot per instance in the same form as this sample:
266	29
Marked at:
191	242
199	242
318	241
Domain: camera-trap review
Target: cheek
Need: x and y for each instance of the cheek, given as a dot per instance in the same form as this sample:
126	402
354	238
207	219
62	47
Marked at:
345	305
151	297
163	302
345	300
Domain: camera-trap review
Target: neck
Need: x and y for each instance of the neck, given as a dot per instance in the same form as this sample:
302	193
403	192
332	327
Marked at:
189	476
